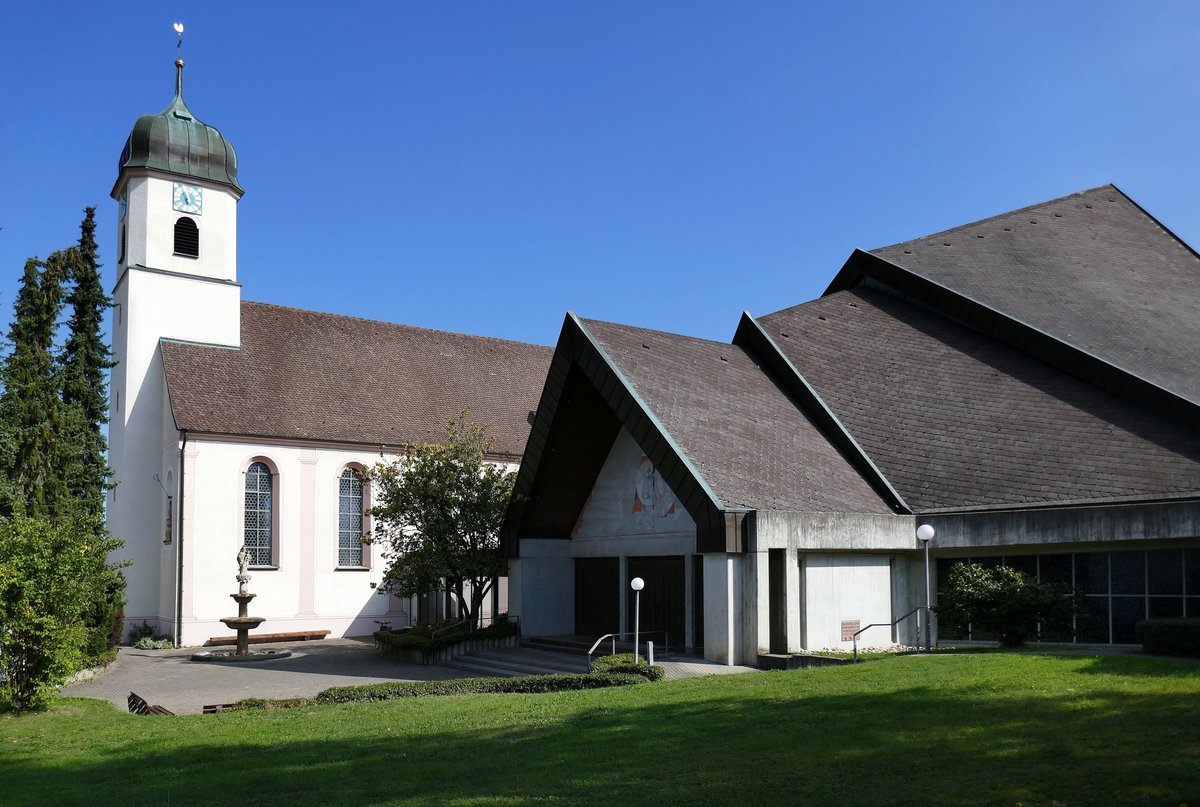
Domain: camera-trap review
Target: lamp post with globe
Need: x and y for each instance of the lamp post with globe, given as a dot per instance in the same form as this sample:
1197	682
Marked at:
925	534
637	584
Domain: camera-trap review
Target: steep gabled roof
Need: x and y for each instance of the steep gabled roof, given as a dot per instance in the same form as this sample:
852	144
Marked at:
1091	269
313	376
957	420
725	435
756	449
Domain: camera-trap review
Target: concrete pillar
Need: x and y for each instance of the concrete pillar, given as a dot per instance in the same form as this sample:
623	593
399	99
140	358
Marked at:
722	592
754	606
626	620
689	593
795	638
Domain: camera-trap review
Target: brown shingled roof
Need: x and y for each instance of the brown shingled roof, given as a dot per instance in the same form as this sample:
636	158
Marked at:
737	427
1091	269
956	419
313	376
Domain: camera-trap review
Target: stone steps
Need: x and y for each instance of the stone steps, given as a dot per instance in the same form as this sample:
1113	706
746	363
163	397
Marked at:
517	661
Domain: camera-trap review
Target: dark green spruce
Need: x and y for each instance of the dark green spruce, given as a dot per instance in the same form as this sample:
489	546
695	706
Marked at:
30	407
84	361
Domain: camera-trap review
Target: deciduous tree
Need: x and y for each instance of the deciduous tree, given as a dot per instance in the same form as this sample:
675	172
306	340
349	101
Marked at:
438	515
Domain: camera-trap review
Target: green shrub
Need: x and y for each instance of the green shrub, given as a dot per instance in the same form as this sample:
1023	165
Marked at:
1170	637
142	631
247	704
623	663
394	690
467	686
154	643
51	573
420	637
1003	602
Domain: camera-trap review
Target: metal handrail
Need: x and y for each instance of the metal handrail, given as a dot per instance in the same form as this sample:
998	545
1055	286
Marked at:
916	611
666	648
613	636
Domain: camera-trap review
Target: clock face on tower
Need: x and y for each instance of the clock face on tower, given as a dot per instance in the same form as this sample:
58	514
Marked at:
187	198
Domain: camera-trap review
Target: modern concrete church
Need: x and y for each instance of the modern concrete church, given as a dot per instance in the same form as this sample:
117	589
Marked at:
1028	385
244	423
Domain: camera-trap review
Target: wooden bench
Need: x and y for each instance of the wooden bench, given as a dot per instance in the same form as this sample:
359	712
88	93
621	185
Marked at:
263	638
213	708
139	706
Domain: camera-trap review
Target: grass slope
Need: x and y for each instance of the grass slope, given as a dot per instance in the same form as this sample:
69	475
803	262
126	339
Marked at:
971	729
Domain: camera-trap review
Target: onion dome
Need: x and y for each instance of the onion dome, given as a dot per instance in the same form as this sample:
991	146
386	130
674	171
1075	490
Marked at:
177	142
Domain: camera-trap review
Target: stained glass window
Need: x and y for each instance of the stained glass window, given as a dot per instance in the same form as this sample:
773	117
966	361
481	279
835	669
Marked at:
350	518
257	529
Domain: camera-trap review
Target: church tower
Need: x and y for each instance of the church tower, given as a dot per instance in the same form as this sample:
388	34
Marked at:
177	192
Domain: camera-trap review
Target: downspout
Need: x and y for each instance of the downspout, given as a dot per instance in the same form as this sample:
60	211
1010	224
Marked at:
179	548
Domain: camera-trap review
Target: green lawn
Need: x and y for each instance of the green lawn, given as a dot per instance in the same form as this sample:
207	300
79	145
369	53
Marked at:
955	729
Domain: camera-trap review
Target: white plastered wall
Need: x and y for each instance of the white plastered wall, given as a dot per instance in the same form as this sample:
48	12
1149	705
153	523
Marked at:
307	590
142	432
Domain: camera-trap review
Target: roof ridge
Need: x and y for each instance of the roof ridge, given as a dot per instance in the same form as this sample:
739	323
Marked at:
400	325
1005	214
655	331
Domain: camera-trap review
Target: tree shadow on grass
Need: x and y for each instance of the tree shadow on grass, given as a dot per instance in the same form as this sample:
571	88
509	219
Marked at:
767	737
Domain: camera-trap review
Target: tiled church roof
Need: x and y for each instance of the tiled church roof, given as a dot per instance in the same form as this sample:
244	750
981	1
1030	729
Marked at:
956	419
1092	269
312	376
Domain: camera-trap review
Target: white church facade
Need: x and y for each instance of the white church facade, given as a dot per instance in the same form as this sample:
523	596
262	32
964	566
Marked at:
238	423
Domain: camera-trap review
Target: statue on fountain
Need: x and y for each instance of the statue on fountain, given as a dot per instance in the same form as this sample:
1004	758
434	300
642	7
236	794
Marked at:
243	575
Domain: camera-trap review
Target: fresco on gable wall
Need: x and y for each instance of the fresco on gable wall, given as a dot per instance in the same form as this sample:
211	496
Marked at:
630	497
653	501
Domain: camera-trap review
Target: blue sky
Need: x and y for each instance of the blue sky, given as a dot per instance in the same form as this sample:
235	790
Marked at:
486	166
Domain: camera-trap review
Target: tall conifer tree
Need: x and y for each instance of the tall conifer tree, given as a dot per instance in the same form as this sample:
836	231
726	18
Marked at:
85	358
30	406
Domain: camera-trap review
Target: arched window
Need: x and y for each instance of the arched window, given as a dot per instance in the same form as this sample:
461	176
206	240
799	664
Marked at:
187	238
259	514
350	518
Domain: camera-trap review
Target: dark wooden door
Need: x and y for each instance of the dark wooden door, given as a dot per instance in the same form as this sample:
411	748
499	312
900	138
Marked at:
663	599
698	602
597	596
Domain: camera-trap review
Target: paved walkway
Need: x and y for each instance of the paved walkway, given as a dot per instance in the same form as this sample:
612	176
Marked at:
170	679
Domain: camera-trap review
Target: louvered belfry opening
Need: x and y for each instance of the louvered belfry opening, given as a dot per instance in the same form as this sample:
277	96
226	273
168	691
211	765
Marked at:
187	238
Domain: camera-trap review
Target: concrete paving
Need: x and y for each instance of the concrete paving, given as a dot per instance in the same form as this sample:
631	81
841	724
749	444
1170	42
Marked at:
168	678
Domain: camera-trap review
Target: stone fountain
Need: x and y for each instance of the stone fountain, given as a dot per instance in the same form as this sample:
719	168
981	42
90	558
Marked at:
243	623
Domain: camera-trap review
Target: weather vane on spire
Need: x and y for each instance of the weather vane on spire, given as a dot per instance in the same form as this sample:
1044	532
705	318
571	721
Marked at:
179	44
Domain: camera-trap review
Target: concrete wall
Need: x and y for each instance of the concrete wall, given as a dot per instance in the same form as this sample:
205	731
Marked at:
835	532
541	587
1083	529
839	588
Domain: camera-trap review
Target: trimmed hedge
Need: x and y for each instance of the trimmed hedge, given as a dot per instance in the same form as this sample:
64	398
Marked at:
420	637
1170	637
394	690
470	686
623	663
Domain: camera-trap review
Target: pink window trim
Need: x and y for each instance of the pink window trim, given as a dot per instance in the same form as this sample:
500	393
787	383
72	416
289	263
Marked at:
274	469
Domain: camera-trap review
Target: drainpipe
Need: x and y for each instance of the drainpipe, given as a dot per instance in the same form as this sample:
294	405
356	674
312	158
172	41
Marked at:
179	549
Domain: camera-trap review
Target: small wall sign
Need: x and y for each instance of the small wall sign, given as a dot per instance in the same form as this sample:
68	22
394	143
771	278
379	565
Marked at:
849	628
